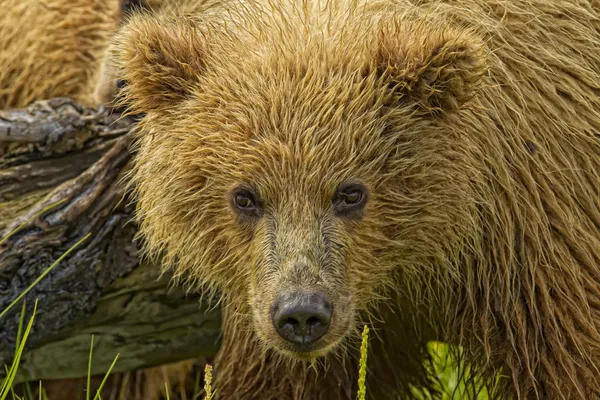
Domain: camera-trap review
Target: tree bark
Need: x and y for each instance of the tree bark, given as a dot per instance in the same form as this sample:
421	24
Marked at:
54	151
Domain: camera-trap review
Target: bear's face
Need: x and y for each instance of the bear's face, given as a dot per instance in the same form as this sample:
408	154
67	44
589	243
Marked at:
287	176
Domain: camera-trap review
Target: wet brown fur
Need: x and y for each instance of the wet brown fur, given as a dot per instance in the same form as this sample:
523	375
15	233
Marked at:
475	126
57	48
53	48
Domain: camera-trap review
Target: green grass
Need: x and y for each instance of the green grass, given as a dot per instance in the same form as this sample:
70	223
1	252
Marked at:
6	387
445	367
454	379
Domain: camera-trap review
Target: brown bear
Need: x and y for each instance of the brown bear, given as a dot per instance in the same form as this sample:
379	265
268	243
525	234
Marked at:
429	168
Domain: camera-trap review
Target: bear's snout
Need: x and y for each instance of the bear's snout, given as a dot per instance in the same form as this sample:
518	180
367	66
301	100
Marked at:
302	318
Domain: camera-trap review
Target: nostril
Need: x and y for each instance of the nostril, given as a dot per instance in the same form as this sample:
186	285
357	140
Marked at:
291	321
312	321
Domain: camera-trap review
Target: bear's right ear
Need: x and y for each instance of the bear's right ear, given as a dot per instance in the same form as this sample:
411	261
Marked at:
160	59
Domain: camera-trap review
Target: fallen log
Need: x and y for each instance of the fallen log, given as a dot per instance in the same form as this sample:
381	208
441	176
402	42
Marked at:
56	151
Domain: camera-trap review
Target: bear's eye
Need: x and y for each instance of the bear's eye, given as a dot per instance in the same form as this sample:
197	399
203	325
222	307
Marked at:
353	197
349	199
245	201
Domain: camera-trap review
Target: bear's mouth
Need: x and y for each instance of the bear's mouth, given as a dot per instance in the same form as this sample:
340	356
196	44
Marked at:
308	351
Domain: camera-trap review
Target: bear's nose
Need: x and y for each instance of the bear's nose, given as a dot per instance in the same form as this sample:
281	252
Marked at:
301	318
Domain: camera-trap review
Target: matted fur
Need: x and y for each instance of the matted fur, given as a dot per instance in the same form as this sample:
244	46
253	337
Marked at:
473	123
53	48
56	48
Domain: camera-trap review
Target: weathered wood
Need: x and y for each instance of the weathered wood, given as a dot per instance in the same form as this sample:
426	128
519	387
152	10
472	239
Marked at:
138	318
56	150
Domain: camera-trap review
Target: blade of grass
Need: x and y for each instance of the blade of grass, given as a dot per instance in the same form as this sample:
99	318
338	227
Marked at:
12	392
20	329
197	387
43	275
97	397
167	391
89	374
14	396
7	384
124	385
30	219
5	381
28	393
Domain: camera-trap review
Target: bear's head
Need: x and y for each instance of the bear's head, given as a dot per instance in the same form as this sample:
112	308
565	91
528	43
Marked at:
302	163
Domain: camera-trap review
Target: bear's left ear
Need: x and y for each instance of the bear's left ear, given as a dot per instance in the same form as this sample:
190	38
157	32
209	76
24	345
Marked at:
435	67
160	59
